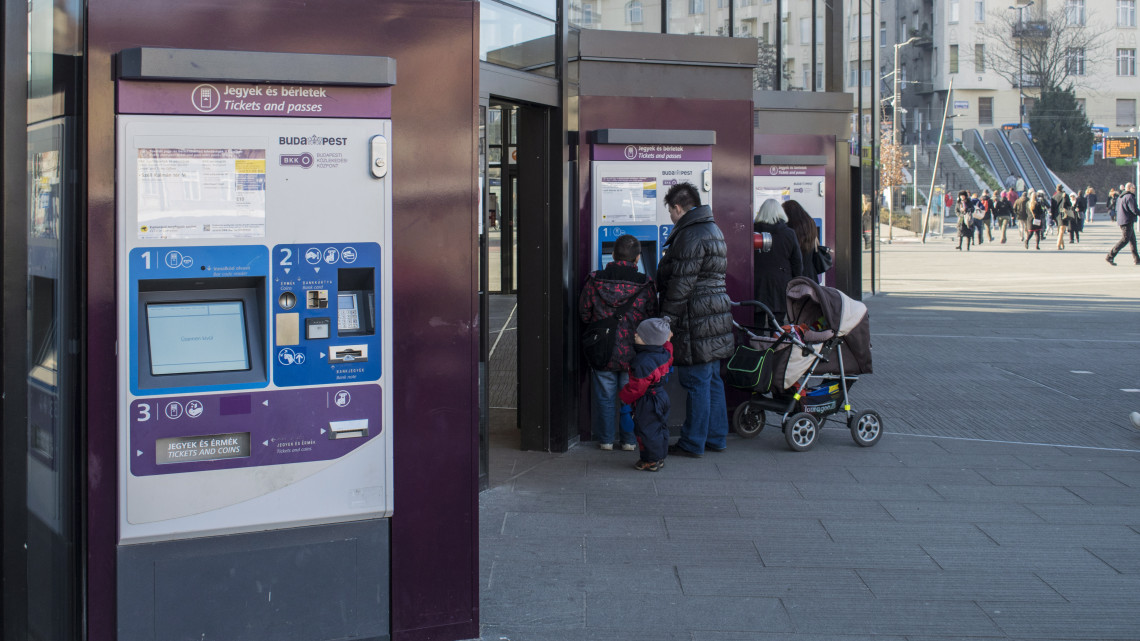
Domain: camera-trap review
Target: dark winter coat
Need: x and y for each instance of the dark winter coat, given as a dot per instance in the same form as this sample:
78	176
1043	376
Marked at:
1082	203
1021	208
772	270
1037	212
1003	209
608	289
694	297
1091	202
1126	212
650	365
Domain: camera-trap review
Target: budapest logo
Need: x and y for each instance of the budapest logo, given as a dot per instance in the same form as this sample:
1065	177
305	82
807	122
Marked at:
206	98
304	160
630	152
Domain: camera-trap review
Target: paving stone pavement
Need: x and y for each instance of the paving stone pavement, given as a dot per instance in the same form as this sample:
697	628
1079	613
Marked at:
1003	501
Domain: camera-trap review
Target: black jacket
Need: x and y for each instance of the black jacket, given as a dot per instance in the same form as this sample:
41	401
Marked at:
772	270
694	297
1126	212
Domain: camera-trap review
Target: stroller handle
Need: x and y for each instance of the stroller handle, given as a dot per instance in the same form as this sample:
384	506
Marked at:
769	317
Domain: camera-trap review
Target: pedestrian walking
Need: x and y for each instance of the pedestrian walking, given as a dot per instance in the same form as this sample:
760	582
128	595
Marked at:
1077	222
1126	215
965	212
1110	205
694	297
987	203
1090	204
1021	213
1035	216
1064	218
1003	213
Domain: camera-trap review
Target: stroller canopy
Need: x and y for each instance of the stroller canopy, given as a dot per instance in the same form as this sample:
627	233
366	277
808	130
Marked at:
825	310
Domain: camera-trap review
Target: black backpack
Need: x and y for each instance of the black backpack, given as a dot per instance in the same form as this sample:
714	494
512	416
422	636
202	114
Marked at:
600	337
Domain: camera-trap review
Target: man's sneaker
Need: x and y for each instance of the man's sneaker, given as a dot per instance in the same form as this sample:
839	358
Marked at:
1108	259
608	447
628	447
1135	417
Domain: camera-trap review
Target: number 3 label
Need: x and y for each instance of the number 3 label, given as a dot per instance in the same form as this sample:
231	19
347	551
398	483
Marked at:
144	413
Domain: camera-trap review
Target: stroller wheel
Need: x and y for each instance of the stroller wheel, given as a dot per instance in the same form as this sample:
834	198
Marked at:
866	427
748	419
800	431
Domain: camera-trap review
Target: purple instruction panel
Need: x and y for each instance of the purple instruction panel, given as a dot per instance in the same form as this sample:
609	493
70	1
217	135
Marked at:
789	170
250	429
699	153
246	99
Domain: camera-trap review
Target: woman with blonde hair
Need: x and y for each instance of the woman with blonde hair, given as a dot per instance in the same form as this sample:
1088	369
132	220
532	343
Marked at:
771	270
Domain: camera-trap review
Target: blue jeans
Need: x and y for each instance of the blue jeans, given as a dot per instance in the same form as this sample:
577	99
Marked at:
706	419
604	403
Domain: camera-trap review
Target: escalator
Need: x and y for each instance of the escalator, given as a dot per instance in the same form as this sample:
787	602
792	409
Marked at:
1036	173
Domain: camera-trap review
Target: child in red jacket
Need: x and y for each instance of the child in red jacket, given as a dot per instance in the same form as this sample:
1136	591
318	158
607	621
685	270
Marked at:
645	391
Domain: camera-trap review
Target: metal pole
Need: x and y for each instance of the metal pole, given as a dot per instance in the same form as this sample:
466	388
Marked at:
914	183
1020	73
938	155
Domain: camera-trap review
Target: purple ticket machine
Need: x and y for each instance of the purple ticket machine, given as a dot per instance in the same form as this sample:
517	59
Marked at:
254	344
631	171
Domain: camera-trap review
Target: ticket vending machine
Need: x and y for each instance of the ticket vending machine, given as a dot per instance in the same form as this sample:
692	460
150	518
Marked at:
631	171
254	351
804	183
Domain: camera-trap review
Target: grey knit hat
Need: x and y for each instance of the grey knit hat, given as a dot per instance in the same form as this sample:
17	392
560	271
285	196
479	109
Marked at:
654	331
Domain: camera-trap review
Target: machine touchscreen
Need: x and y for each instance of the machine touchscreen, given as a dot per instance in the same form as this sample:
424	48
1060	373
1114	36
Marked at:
194	338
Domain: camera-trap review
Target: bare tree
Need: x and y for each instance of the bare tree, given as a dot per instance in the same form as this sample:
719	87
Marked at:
766	73
1050	49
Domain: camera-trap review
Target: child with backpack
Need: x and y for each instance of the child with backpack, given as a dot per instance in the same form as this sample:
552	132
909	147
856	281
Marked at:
621	295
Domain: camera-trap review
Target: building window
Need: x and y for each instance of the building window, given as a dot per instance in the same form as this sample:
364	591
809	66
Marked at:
745	3
986	111
901	37
1075	12
633	12
819	75
953	10
866	73
805	30
1126	62
696	7
1126	112
807	77
979	10
1126	13
1075	61
953	58
980	58
766	32
587	13
852	73
882	30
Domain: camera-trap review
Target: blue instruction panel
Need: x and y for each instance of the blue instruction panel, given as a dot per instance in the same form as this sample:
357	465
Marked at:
325	305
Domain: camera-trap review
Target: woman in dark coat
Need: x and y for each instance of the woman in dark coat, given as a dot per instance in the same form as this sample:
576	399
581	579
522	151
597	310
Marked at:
772	270
807	234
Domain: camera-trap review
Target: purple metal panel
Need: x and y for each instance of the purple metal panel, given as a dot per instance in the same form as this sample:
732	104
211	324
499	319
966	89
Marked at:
434	552
244	99
808	145
731	169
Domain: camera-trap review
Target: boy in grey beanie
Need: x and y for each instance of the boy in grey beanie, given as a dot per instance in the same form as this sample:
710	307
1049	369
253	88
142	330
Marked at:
645	391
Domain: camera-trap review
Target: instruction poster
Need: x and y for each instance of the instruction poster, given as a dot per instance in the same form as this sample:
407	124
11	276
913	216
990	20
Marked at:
201	193
628	200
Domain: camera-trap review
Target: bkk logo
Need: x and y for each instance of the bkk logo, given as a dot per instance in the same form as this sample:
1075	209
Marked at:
297	160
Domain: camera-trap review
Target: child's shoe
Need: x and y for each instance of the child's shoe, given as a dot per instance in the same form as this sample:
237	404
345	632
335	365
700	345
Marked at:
628	447
606	446
647	466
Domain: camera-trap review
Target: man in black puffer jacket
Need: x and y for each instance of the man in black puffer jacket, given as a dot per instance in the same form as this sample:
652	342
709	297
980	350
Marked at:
695	299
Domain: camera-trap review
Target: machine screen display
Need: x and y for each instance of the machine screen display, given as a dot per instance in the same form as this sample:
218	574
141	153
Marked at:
195	338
